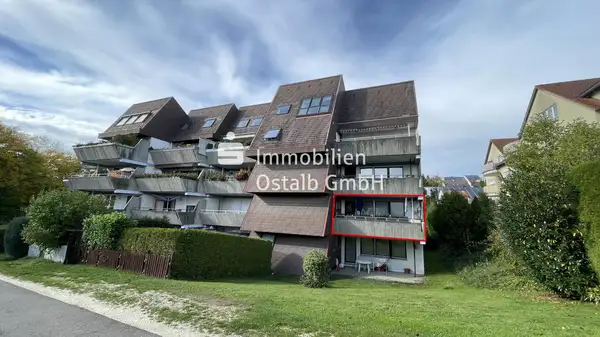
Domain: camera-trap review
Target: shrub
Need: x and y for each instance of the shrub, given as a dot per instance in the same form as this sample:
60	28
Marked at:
14	246
51	214
315	268
215	175
130	140
103	231
152	222
498	274
185	175
2	231
201	254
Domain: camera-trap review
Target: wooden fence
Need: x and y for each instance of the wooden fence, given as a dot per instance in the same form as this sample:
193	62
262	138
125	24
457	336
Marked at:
149	265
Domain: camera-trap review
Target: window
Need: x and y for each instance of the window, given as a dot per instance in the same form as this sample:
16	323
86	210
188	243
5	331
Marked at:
243	123
381	172
256	121
283	109
208	123
382	208
395	249
131	120
169	205
367	247
122	121
141	118
128	199
272	134
315	105
396	172
366	172
190	208
551	112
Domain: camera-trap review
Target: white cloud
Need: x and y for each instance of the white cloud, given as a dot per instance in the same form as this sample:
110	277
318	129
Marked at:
474	64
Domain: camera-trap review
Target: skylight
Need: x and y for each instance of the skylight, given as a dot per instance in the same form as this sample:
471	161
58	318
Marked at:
243	123
208	123
315	105
131	120
142	118
122	121
283	109
272	134
256	121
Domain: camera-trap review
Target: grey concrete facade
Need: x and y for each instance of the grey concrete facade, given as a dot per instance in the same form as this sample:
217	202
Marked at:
376	185
179	157
174	217
230	187
167	185
113	154
103	184
379	227
378	150
220	218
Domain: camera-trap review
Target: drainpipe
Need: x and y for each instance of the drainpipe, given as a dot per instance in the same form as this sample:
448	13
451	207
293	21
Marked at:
415	259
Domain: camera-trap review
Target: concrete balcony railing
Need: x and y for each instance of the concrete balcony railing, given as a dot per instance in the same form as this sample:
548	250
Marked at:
223	218
229	187
167	185
401	148
226	157
492	190
106	183
378	185
178	157
398	228
175	217
114	154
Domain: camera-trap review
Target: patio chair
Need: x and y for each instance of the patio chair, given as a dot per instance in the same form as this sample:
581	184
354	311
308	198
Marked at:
381	264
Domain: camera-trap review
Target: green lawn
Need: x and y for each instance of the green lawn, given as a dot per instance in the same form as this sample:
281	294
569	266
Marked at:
281	307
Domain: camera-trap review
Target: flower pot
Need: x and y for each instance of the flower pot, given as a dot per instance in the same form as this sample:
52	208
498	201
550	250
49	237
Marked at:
406	270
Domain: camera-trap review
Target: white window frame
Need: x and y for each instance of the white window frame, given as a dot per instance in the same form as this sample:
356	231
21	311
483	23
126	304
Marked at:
551	112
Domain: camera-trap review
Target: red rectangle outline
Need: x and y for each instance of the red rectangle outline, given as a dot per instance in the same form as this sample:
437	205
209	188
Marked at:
333	232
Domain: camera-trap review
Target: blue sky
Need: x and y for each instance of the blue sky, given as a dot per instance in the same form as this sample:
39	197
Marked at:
69	68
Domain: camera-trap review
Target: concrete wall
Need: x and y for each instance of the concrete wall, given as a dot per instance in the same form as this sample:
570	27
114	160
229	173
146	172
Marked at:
224	218
178	157
381	147
224	187
288	252
382	227
173	185
378	186
415	259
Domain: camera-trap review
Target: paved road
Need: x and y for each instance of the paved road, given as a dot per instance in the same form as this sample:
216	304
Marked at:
26	314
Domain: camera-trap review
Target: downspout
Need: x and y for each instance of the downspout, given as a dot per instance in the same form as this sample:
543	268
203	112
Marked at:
415	259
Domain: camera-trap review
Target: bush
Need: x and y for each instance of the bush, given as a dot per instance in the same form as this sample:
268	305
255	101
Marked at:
150	222
201	254
497	274
51	214
2	231
103	231
315	268
14	246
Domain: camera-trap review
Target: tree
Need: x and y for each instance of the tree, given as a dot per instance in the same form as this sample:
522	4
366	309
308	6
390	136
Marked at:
53	213
537	209
433	181
483	216
452	220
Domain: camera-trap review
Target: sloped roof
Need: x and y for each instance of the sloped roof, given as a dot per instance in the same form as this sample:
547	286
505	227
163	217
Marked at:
298	215
500	143
223	115
250	112
385	105
574	90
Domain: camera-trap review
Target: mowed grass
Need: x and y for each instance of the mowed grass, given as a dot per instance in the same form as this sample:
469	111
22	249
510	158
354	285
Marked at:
279	306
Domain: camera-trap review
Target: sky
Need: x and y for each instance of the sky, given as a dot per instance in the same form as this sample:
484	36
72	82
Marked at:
68	69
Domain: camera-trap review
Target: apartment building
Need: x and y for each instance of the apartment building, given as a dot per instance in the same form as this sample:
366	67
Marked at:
562	101
318	167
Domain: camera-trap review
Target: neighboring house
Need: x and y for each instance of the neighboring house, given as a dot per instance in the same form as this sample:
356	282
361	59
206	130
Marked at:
288	200
562	101
468	186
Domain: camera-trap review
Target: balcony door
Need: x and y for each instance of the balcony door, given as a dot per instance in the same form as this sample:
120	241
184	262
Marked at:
350	250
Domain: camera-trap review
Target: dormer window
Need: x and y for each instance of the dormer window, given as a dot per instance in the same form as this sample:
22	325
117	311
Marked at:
243	123
208	123
133	119
315	105
272	134
283	109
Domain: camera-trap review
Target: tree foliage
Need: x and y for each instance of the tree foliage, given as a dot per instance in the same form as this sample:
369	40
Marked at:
433	181
52	213
103	231
29	164
538	205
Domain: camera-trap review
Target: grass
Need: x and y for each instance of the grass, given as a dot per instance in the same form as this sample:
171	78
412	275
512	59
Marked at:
279	306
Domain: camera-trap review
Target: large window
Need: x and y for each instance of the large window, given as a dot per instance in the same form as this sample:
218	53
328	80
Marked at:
551	112
315	105
243	123
382	172
395	249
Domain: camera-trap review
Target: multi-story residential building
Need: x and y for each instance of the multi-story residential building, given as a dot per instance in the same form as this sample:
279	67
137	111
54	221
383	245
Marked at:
318	167
562	101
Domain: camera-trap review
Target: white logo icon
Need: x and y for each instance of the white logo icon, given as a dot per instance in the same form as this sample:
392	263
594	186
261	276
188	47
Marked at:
229	152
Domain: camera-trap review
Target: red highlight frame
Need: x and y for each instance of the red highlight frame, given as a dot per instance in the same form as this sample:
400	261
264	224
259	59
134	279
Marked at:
335	195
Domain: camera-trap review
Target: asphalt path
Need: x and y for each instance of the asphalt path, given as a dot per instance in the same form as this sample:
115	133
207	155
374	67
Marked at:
27	314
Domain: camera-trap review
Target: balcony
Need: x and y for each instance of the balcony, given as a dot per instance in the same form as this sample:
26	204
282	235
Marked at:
175	217
103	183
223	218
227	158
178	157
113	154
492	190
377	185
494	164
402	148
168	184
229	187
385	227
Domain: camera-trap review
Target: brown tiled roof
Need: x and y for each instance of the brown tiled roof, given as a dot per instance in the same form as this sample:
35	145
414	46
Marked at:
573	90
291	173
224	114
299	133
500	143
166	110
250	112
298	215
379	106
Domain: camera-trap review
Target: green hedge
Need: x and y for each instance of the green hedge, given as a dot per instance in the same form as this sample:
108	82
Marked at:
2	231
587	179
200	254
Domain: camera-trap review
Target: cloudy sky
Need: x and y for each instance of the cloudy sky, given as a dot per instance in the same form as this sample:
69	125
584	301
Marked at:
69	68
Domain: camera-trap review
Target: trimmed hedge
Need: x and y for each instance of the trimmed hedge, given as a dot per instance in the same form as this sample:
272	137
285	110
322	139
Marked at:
150	222
587	179
14	246
201	254
103	231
